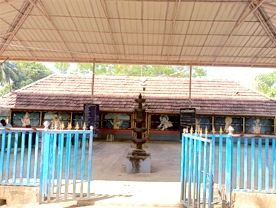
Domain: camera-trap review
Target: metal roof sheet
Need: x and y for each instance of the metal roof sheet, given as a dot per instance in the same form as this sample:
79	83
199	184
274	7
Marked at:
184	32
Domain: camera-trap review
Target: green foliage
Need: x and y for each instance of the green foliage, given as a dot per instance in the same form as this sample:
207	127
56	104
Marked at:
62	67
138	70
27	73
5	89
8	74
30	72
267	83
83	69
23	73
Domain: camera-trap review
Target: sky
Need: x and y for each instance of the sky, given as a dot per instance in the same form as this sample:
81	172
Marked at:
235	72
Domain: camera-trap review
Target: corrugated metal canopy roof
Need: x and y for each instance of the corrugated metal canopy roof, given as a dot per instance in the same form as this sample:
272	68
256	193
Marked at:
174	32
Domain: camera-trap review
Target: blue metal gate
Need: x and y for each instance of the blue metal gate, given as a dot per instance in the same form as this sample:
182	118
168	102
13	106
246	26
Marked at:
218	164
197	169
66	165
58	161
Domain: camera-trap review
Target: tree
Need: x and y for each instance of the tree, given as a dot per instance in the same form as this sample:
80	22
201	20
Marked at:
30	72
83	69
26	73
8	74
62	67
267	83
140	70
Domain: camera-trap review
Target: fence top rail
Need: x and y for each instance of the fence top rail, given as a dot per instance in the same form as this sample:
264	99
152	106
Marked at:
196	137
262	136
43	130
242	136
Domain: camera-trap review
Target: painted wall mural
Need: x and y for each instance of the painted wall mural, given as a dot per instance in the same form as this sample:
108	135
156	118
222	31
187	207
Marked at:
116	121
202	122
259	125
225	122
25	118
164	122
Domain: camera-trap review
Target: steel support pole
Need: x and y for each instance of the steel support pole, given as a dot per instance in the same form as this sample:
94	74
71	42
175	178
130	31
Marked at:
92	84
190	87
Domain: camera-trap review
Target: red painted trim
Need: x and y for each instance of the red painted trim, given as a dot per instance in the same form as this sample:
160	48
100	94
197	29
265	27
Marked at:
115	130
163	132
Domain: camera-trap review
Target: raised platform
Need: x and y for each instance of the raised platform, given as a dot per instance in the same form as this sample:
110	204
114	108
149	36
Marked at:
18	195
138	163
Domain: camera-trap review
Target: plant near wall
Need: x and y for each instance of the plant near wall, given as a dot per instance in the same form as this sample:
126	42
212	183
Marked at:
267	84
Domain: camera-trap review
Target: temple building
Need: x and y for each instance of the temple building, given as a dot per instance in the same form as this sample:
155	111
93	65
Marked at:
219	103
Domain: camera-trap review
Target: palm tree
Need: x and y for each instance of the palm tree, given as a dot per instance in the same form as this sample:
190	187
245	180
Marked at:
8	73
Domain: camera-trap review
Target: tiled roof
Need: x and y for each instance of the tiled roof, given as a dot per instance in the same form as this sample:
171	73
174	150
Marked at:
163	94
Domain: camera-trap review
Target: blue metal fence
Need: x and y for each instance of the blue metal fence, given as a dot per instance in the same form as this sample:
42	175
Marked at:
18	160
58	161
196	171
245	164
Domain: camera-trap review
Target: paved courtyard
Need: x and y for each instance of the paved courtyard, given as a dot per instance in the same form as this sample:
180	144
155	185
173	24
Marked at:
109	161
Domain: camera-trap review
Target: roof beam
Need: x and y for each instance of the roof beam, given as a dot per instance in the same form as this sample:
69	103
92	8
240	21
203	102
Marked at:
80	37
268	27
241	20
40	10
263	50
8	2
138	19
176	7
191	1
109	26
142	23
270	6
251	12
140	33
5	34
55	28
137	61
27	49
208	34
121	33
17	23
133	45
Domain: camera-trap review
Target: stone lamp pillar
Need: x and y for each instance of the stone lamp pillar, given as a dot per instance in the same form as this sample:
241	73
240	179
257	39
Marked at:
138	161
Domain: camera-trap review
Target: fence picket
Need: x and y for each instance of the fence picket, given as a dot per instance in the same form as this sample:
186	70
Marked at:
260	164
44	161
252	163
251	153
